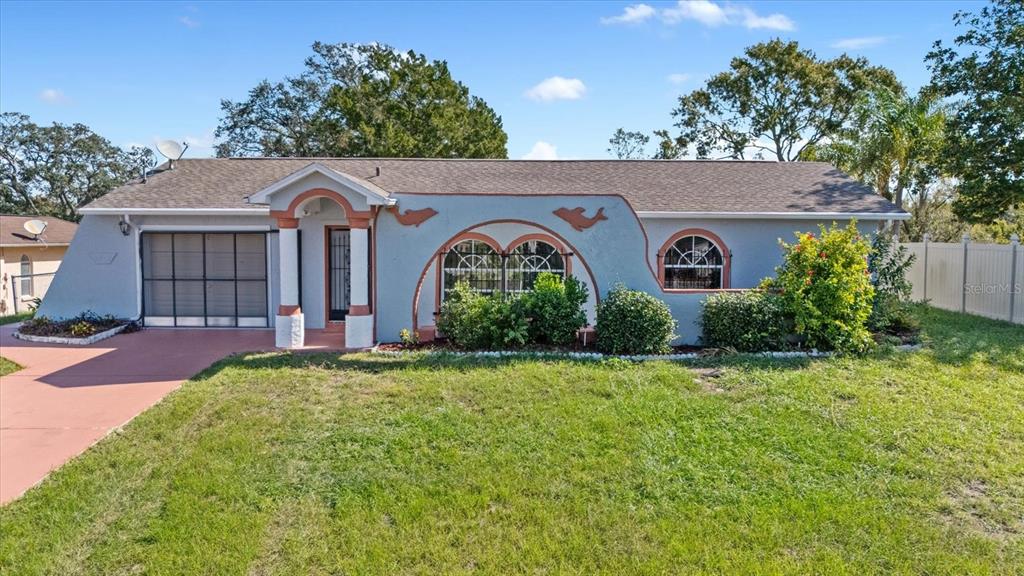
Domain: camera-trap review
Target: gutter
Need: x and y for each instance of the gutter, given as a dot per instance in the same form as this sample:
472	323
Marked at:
776	215
177	211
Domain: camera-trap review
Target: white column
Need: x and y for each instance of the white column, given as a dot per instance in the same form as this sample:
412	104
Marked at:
360	263
288	242
289	324
359	322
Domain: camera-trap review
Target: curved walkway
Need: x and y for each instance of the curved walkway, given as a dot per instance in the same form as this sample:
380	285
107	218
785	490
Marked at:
65	398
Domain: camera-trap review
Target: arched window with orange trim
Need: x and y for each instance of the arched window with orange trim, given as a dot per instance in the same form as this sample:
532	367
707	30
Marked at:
694	262
527	260
475	262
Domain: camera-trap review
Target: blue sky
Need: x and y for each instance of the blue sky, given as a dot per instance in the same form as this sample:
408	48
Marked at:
136	72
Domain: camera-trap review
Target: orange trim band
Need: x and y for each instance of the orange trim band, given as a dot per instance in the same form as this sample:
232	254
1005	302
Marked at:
358	310
288	310
466	234
547	239
350	212
287	223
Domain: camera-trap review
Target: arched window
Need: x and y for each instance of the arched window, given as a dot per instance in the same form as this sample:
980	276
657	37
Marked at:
26	276
473	261
694	262
529	259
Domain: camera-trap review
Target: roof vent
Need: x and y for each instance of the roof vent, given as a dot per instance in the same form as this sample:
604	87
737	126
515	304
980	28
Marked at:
378	171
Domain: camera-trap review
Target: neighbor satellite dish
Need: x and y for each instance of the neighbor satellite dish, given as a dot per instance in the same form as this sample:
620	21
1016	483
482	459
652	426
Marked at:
34	227
171	150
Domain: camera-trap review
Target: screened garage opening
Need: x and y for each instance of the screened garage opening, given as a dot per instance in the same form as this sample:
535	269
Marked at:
204	279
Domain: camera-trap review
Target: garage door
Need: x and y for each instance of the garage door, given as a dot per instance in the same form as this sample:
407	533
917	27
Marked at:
204	279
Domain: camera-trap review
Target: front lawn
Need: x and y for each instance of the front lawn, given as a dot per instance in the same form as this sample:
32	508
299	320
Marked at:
7	367
20	317
317	464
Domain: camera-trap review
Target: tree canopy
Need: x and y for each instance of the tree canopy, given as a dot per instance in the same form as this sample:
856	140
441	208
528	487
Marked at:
893	143
775	100
362	100
983	75
53	170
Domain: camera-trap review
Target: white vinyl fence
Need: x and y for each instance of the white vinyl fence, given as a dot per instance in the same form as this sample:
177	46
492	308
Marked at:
982	279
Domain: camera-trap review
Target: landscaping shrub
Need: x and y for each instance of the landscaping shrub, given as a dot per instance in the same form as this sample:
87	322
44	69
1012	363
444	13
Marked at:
555	309
633	322
470	320
551	313
888	263
752	321
826	287
81	326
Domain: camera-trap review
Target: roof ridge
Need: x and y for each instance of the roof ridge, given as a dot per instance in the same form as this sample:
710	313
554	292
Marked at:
510	160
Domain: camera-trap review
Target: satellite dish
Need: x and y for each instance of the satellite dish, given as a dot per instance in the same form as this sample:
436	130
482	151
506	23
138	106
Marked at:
34	227
171	150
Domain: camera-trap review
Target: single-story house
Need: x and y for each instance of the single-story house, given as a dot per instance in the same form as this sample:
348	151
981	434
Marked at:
28	261
367	247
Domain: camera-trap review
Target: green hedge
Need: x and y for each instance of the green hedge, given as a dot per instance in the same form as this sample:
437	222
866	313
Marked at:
634	322
551	313
751	321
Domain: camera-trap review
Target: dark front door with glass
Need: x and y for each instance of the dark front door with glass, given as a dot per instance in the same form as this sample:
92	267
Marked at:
338	271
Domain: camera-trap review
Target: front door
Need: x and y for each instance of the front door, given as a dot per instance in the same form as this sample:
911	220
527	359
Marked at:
338	271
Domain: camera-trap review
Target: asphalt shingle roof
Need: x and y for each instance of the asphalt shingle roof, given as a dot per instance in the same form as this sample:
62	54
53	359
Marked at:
649	185
12	231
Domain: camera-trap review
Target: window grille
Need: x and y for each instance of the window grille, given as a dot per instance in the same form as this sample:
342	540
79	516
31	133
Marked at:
693	262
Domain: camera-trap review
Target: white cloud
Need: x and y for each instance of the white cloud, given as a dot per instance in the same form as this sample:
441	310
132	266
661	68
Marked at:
634	14
706	12
772	22
858	43
542	151
557	88
711	14
53	96
189	22
678	78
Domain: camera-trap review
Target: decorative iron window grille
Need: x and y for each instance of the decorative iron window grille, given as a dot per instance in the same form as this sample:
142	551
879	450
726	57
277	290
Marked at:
526	261
694	262
488	271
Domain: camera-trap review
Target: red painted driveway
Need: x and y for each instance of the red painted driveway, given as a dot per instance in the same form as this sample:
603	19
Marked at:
67	397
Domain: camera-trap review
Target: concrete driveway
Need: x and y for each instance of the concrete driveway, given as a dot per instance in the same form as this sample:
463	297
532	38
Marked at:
67	397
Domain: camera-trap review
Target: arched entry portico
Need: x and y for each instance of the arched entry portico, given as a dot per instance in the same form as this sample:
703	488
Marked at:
298	197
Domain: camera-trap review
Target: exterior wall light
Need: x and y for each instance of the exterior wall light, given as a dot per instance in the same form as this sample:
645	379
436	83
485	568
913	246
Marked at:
125	226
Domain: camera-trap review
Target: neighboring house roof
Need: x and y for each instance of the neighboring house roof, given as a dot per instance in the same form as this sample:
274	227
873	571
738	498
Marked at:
690	186
58	232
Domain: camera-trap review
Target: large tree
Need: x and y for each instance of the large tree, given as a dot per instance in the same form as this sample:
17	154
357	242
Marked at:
983	74
775	100
362	100
893	143
53	170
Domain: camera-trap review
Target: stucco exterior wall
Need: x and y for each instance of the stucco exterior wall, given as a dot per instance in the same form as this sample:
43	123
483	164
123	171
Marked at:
101	271
753	244
45	260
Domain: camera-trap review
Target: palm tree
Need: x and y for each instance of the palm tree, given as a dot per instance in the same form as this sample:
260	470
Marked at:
893	144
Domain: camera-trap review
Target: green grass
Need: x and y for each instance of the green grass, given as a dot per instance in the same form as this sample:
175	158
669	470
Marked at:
21	317
7	367
315	464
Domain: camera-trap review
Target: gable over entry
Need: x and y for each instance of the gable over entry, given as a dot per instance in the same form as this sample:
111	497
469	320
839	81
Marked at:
293	198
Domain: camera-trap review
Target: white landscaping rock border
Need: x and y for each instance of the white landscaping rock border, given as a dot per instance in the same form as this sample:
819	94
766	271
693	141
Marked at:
599	356
71	340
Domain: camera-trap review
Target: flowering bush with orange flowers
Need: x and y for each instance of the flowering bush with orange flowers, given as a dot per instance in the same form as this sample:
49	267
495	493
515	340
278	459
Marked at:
826	287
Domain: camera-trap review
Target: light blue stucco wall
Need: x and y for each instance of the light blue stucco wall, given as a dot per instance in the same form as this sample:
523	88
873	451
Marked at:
100	271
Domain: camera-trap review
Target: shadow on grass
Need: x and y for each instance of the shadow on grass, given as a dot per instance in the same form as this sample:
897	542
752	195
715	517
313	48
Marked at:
955	338
378	364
